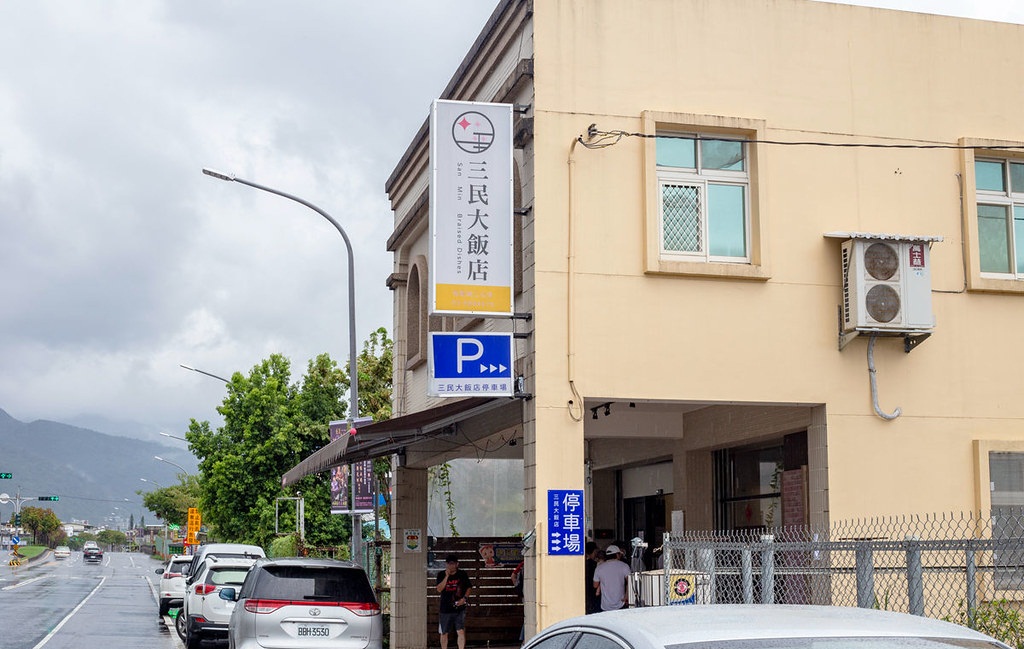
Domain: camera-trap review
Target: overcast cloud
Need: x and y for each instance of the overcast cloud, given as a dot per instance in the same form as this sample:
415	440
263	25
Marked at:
119	259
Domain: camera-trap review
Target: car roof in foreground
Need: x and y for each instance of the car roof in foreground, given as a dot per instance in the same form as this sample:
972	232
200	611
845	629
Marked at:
306	561
672	625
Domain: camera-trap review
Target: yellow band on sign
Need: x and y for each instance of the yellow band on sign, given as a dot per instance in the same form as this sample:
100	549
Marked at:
473	298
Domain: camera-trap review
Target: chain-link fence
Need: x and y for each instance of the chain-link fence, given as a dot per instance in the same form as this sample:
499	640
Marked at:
941	566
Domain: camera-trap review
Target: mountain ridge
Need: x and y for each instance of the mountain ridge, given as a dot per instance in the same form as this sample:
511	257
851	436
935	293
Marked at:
96	475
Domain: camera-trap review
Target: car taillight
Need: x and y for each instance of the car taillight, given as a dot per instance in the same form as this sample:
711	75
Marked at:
362	609
205	589
171	575
263	606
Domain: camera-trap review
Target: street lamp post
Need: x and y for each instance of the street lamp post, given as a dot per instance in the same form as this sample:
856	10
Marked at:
353	410
193	369
157	457
173	436
159	486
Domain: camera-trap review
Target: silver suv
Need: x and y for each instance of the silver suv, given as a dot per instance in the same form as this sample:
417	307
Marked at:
299	602
206	615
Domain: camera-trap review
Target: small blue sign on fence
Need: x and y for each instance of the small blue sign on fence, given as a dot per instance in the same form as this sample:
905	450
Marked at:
565	522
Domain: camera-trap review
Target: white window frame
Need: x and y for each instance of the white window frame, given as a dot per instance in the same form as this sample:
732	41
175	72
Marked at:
1008	199
756	265
701	178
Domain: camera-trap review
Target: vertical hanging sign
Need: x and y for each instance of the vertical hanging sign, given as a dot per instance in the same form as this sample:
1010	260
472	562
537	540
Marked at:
339	474
565	522
471	208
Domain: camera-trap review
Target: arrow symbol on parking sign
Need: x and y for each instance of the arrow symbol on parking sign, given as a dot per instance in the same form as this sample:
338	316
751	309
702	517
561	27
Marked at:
491	368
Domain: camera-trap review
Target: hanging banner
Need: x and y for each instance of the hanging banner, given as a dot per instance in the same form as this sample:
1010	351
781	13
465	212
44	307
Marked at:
362	487
339	474
471	208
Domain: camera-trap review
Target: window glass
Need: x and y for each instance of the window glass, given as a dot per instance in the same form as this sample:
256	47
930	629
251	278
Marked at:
681	231
720	154
993	242
1017	177
314	583
595	641
989	175
1006	473
557	641
727	225
227	576
1018	236
676	152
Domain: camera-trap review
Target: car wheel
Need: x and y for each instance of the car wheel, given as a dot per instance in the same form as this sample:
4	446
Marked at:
179	625
165	605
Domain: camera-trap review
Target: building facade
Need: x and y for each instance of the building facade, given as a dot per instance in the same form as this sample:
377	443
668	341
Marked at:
707	195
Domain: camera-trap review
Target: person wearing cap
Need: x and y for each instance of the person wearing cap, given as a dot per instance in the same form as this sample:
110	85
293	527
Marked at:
611	580
454	586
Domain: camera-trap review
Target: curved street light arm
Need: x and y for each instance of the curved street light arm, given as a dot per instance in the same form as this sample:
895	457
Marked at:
353	410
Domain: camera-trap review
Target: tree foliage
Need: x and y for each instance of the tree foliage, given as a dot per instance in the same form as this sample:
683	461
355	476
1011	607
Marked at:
112	538
171	504
271	424
42	523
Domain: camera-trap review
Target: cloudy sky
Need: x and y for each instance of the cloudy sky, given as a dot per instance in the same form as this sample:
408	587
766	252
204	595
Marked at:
119	260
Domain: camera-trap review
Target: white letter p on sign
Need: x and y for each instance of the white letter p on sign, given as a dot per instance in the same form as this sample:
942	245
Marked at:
461	353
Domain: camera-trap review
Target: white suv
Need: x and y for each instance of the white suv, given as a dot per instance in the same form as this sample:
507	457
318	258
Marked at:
204	614
172	582
299	603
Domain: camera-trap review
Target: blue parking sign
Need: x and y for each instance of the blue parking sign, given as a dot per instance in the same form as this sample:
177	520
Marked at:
471	364
565	522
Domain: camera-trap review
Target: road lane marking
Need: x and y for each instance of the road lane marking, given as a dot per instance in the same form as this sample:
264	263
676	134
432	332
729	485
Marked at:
69	615
26	582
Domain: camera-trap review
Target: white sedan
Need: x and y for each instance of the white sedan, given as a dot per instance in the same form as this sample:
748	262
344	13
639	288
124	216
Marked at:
737	626
61	552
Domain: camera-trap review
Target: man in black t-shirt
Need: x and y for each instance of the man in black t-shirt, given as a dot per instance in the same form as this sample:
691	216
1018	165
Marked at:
454	586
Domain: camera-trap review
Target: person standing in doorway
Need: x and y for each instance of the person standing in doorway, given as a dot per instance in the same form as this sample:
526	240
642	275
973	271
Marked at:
611	580
454	586
591	558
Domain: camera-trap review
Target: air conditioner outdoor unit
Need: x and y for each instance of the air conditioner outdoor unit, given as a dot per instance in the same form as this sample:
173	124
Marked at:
887	286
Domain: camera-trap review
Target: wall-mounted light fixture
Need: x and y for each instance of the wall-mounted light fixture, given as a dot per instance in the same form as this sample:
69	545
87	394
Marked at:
607	409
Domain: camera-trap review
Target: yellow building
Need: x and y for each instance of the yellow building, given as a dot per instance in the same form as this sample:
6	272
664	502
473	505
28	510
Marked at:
707	192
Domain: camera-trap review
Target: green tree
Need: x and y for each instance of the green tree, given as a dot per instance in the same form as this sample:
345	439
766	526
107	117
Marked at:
42	523
171	504
270	425
111	538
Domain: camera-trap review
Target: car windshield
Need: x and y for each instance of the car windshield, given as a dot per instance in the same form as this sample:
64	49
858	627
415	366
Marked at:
840	643
314	583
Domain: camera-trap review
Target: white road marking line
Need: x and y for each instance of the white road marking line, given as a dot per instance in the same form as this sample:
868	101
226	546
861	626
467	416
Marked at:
26	582
69	615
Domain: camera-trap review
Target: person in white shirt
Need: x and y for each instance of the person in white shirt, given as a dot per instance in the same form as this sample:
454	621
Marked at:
611	580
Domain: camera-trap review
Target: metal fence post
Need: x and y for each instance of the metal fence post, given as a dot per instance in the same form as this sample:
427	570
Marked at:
747	567
767	569
972	586
915	576
667	567
865	575
706	564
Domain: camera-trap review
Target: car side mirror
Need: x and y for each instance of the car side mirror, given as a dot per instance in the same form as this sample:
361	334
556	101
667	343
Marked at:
159	571
228	594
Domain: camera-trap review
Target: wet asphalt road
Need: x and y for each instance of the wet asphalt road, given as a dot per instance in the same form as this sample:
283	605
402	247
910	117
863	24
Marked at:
64	604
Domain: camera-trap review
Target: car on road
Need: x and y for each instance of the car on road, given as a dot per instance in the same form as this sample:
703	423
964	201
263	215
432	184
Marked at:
221	551
91	552
757	626
172	582
61	552
204	613
300	602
